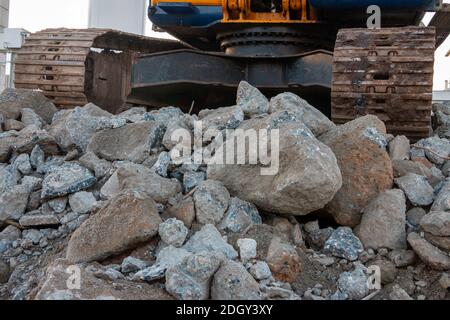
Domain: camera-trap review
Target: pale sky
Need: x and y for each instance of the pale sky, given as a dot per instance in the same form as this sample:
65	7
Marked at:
41	14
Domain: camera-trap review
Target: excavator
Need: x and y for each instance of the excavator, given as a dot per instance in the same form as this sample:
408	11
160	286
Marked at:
321	50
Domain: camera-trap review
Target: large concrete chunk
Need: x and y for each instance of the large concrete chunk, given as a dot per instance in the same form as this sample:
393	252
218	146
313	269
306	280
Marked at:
442	201
316	121
307	178
130	219
432	256
132	142
416	188
383	222
191	279
66	179
251	100
209	239
437	223
344	244
13	202
211	201
143	178
233	282
74	128
14	100
60	273
360	148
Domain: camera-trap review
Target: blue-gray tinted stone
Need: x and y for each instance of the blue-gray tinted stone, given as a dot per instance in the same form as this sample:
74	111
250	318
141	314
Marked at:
417	189
193	179
131	264
133	142
66	179
240	215
9	177
317	122
435	148
191	279
211	201
233	282
163	115
13	202
442	201
222	118
209	239
251	100
162	164
344	244
354	284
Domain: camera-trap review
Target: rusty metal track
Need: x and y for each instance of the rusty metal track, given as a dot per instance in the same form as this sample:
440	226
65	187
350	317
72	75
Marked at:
56	61
388	73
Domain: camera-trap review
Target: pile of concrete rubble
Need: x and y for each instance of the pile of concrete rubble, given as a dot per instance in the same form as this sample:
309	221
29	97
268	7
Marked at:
93	205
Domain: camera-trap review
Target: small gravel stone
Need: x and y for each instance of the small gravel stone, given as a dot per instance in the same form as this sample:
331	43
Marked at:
260	270
247	249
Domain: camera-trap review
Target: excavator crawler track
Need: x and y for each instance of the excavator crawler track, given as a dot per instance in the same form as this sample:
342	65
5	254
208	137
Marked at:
73	67
386	72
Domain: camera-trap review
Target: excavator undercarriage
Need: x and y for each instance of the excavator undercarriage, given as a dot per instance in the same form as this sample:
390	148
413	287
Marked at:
74	67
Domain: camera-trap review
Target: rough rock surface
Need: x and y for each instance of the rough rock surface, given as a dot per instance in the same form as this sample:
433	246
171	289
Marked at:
92	287
305	164
399	148
66	179
82	202
240	215
250	100
344	244
442	201
365	165
133	176
383	222
75	128
437	223
133	142
173	232
130	219
417	189
191	279
4	272
354	284
112	211
404	167
428	253
223	118
209	239
13	202
211	201
317	122
233	282
184	211
14	100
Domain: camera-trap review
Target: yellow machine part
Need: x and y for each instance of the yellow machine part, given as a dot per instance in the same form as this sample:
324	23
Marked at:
239	11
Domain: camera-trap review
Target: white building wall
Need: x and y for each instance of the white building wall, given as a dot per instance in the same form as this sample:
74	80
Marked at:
4	18
129	16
